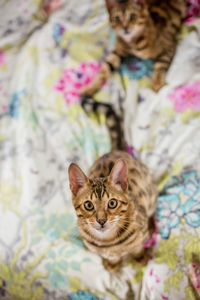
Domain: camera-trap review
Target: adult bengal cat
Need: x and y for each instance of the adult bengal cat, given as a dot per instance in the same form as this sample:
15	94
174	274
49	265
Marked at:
114	206
145	28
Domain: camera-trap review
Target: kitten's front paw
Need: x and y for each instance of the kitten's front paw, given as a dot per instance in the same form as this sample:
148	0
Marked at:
111	267
157	85
157	82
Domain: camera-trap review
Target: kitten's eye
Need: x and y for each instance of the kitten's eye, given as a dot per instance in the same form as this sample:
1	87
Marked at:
88	205
117	19
132	17
112	203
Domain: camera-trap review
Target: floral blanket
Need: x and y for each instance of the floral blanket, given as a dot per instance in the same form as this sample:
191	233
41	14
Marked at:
48	51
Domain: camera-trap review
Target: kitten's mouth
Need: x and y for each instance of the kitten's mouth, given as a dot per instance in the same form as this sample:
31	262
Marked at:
102	228
128	35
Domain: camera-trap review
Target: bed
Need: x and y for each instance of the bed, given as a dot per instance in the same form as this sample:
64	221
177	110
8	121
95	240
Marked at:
48	51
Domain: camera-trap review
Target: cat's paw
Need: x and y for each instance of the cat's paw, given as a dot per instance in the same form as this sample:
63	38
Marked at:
158	82
111	267
157	85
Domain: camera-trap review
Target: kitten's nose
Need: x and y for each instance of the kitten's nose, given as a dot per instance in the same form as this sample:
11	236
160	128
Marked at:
101	221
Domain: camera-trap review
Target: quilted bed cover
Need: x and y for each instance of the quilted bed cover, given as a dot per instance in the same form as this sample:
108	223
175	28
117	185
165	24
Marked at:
48	51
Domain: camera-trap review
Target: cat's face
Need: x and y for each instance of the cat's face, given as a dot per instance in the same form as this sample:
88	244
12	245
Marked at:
128	18
101	204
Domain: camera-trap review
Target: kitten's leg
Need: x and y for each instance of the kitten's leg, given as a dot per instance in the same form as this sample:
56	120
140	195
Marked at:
161	66
111	63
112	266
158	78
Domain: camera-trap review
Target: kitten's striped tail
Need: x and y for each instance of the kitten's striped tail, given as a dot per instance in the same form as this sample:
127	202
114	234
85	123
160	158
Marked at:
113	121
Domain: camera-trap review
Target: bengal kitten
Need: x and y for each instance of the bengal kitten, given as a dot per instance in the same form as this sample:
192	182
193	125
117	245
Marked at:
145	28
114	205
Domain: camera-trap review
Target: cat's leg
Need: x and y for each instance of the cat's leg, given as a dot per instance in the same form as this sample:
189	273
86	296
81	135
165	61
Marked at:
161	65
111	63
112	265
158	78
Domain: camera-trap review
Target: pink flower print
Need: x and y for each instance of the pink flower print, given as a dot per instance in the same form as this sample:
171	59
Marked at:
151	272
194	275
73	79
4	108
2	57
152	241
164	297
157	279
186	96
193	10
132	151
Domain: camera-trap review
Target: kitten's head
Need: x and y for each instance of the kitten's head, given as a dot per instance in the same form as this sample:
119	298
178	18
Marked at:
129	18
102	204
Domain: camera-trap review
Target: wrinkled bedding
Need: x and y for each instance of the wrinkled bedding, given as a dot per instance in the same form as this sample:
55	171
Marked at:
48	51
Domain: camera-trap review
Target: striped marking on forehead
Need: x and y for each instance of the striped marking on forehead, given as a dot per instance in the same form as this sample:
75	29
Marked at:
98	188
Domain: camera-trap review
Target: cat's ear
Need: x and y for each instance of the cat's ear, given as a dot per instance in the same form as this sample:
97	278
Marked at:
110	4
119	174
77	178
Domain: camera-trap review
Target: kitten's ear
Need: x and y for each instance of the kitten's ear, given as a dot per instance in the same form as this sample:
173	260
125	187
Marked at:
119	174
110	4
77	178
